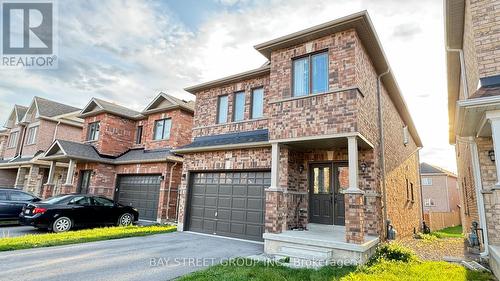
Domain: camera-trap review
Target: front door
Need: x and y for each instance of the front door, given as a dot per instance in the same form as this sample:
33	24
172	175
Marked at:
321	193
341	183
83	185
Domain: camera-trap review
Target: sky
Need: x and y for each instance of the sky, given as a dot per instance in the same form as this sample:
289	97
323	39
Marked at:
128	51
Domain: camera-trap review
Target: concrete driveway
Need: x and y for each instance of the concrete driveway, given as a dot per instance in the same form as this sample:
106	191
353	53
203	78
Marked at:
156	257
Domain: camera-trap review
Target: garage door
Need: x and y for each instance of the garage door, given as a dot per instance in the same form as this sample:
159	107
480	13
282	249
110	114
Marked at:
228	203
141	192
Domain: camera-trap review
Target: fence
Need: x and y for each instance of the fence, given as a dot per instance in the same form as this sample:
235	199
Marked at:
440	220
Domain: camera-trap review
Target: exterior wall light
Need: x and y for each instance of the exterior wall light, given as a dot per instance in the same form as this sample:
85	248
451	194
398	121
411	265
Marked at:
301	168
363	167
491	154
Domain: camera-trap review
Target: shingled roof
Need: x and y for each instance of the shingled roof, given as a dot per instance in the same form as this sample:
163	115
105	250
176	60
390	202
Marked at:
431	169
49	108
96	106
224	140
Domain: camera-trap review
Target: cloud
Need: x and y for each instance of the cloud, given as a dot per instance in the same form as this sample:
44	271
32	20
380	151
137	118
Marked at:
406	31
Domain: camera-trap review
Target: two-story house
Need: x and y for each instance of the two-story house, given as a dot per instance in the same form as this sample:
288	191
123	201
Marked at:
440	196
472	40
126	155
314	153
30	132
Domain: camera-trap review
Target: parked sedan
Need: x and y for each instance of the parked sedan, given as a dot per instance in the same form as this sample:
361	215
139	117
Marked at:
12	202
64	212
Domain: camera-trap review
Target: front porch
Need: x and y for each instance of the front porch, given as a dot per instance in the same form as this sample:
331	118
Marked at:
324	201
319	245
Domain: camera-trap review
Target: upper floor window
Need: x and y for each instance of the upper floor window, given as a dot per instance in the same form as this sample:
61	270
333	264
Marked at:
239	106
31	138
138	135
93	131
162	129
310	74
222	108
426	181
12	140
257	103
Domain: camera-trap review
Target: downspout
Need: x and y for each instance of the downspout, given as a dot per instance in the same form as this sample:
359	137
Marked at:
463	70
382	147
170	188
55	131
21	142
479	194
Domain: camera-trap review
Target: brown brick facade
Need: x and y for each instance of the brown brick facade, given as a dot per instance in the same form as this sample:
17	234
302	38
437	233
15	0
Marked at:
180	132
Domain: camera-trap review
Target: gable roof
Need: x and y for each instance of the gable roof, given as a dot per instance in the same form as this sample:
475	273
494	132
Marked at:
165	101
363	25
16	115
49	108
96	106
426	169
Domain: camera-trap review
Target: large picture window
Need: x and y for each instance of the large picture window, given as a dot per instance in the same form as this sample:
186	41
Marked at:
310	75
93	131
257	103
239	106
162	129
222	108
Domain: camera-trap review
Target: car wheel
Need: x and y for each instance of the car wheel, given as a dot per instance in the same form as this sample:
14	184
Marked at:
126	219
62	224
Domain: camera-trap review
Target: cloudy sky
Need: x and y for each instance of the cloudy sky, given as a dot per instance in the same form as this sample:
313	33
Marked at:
128	51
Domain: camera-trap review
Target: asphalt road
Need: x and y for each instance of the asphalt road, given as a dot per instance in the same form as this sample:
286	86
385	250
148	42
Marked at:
156	257
18	230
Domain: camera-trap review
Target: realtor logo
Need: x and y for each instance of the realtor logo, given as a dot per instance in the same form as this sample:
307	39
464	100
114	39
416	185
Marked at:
28	34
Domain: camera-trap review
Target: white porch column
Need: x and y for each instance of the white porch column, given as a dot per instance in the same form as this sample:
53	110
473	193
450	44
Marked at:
275	166
52	171
495	135
352	143
71	170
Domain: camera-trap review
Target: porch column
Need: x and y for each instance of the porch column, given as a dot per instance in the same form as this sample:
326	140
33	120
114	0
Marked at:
68	187
20	178
275	166
495	135
354	198
48	188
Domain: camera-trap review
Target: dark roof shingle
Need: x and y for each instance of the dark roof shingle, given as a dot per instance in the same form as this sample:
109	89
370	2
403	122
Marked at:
231	138
50	108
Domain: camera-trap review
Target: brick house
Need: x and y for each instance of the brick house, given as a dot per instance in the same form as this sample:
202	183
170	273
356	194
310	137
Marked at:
276	150
472	40
440	197
439	189
30	131
126	155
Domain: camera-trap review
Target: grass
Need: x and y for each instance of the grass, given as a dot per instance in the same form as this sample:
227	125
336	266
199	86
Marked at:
449	232
79	236
381	271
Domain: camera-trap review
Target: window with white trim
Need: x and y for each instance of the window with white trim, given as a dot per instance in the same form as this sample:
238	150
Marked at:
426	181
12	140
162	129
31	137
93	131
428	202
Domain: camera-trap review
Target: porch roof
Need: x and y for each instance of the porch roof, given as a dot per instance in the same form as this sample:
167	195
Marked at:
65	150
325	141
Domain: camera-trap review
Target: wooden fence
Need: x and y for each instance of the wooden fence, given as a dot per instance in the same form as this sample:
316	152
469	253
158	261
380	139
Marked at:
440	220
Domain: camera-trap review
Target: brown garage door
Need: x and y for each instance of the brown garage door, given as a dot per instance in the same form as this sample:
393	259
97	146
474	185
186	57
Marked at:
141	192
228	203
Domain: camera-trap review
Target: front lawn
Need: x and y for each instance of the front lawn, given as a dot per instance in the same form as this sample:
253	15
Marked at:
79	236
449	232
391	262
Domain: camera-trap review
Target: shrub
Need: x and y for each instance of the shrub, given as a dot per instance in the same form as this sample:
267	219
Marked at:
393	252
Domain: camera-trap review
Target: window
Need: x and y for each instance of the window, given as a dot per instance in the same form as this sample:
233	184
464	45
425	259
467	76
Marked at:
80	200
310	75
32	135
138	135
100	201
407	190
428	202
239	106
426	181
93	131
20	196
257	103
222	109
12	140
3	195
162	129
412	193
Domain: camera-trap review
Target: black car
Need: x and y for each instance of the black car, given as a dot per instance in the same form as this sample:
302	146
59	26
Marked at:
64	212
12	202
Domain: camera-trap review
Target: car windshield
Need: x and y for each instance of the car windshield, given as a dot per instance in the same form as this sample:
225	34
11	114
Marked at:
60	199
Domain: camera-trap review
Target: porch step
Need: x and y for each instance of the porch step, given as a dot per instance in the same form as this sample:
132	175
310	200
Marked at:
316	227
473	265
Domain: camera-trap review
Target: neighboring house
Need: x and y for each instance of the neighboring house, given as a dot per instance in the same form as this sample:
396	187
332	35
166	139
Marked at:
439	189
31	130
473	64
296	144
126	155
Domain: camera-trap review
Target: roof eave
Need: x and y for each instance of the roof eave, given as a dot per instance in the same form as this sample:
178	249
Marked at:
221	147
